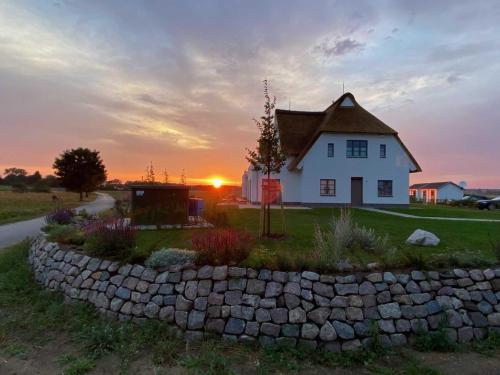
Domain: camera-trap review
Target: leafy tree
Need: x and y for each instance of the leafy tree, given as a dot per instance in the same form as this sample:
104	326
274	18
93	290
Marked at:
51	180
15	176
80	170
268	157
34	178
15	171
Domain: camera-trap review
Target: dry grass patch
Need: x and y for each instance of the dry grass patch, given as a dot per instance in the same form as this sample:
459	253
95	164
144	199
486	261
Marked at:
22	206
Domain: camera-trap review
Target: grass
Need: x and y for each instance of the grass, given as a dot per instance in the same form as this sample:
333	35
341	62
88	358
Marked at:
466	242
33	317
75	366
439	210
22	206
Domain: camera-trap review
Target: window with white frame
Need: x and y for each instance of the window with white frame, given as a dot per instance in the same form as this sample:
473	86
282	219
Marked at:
327	187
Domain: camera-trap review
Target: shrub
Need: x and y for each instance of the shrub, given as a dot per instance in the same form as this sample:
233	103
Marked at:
222	246
63	216
19	188
436	341
109	238
122	207
216	216
415	259
169	257
342	234
41	187
66	234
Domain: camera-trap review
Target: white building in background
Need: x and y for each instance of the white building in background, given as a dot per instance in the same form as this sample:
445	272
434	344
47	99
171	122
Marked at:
341	156
433	192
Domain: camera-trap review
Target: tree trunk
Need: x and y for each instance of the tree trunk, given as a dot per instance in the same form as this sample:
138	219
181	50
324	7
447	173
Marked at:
81	195
268	226
86	194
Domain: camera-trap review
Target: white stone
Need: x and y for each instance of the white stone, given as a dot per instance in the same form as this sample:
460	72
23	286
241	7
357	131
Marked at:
423	238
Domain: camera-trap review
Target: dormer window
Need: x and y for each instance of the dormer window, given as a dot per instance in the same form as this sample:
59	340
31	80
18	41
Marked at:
347	103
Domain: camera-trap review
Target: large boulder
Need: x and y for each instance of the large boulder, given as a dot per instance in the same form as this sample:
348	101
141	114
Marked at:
423	238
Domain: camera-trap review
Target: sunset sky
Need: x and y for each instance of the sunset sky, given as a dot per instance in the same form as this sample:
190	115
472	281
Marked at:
177	83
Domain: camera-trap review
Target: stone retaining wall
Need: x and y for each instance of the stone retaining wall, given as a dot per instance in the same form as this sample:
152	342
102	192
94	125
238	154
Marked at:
335	312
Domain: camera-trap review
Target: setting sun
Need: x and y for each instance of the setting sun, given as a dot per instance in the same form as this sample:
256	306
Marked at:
217	183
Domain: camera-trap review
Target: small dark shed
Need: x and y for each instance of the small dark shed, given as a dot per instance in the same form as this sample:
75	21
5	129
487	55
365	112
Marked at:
160	204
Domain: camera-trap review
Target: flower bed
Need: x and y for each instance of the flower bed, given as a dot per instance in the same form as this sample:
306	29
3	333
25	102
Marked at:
335	312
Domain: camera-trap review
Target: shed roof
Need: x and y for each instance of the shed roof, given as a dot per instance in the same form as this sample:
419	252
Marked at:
160	187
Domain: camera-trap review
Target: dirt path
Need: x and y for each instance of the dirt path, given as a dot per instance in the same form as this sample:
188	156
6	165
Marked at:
462	363
16	232
44	360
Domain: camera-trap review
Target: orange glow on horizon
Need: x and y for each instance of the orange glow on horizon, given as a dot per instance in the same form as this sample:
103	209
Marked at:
217	183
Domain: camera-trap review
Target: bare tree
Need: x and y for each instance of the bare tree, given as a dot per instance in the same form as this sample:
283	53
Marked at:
183	177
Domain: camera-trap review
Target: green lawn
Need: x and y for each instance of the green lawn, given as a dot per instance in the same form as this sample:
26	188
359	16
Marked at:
22	206
430	210
469	239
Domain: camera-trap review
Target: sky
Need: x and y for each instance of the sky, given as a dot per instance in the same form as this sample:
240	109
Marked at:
178	83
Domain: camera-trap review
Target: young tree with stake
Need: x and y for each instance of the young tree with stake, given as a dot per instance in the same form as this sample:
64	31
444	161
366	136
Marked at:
268	157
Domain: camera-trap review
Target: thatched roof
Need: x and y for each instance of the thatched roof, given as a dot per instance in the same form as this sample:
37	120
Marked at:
296	128
299	129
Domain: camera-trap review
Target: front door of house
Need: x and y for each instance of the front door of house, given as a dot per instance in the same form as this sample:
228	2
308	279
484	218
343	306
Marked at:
356	191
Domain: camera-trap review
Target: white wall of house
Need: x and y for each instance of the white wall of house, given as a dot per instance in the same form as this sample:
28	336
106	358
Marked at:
290	183
303	186
317	165
450	192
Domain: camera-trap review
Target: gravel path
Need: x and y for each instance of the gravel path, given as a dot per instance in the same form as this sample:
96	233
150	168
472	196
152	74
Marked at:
371	209
16	232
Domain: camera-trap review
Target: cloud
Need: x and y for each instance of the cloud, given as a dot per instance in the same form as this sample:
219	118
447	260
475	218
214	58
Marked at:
453	78
147	98
179	82
467	50
339	47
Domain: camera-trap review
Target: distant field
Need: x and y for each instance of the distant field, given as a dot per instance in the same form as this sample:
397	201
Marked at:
448	211
22	206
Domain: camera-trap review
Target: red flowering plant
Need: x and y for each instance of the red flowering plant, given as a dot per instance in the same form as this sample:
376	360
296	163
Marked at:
222	246
109	238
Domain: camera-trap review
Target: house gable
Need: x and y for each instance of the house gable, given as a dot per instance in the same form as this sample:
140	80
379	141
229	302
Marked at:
345	115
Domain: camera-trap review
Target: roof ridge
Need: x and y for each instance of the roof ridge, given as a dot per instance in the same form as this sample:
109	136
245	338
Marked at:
299	112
